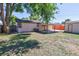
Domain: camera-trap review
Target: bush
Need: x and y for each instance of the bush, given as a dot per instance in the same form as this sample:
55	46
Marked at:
36	30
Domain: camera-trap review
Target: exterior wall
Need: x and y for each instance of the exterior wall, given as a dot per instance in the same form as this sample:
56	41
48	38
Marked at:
50	27
66	27
76	28
44	27
27	27
72	27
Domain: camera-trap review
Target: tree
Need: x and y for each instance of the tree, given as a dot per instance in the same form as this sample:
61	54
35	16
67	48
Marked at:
67	20
63	22
45	11
13	20
34	17
7	17
10	8
3	19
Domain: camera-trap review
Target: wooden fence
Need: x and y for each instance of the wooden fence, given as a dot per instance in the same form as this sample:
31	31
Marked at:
58	27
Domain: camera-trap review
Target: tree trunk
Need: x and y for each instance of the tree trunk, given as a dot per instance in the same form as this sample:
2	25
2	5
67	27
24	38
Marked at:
11	8
47	28
7	17
4	27
7	13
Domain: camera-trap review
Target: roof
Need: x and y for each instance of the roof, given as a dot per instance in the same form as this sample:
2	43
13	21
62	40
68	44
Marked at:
29	21
71	22
52	24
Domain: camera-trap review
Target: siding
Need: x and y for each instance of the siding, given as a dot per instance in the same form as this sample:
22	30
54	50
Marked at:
51	27
66	27
76	28
25	27
72	27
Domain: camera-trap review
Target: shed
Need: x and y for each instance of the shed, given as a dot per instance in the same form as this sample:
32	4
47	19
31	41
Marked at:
72	26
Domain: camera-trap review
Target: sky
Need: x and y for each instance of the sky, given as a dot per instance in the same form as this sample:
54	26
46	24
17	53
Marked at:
65	11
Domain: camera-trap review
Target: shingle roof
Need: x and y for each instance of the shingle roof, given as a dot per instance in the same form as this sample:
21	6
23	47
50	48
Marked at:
31	21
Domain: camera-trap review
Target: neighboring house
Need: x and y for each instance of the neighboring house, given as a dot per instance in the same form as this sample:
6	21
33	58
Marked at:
27	25
45	27
72	26
52	27
30	25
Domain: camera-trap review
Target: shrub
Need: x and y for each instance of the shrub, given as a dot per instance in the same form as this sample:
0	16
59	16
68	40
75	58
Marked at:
36	30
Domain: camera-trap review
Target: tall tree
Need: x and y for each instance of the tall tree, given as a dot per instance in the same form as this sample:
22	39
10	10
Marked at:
7	17
10	8
3	18
67	20
45	11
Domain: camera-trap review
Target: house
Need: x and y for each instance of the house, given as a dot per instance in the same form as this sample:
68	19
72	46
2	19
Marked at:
52	27
30	25
72	26
27	25
43	26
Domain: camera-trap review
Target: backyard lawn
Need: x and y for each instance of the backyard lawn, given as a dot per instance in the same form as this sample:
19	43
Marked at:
38	44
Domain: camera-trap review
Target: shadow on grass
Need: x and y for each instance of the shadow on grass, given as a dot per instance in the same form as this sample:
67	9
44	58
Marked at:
47	32
18	45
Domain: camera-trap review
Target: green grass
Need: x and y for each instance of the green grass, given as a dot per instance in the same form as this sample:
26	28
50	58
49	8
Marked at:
39	44
75	36
17	44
